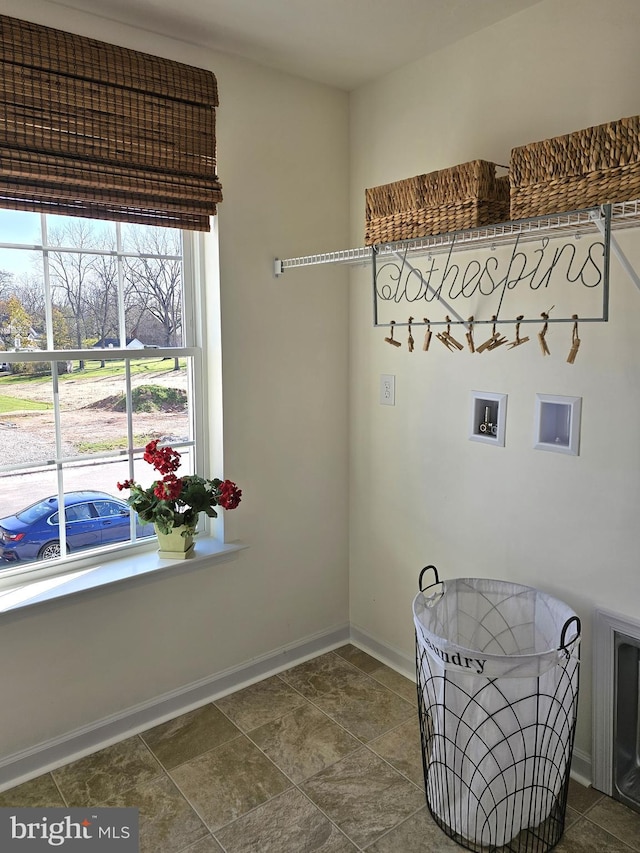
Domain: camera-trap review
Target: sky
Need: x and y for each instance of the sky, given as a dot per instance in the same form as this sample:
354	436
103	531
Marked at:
18	227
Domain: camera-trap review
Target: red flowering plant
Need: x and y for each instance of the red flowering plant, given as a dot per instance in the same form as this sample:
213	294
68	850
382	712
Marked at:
173	501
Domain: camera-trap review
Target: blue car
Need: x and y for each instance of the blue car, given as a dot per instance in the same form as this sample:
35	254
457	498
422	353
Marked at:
91	519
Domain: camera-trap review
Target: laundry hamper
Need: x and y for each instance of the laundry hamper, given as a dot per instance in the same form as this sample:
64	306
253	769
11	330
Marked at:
497	675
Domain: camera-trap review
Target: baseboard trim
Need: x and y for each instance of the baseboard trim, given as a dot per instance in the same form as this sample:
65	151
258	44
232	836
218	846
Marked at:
581	768
393	657
30	763
49	755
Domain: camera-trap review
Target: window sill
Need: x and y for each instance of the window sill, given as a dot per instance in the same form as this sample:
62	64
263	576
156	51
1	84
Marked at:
29	592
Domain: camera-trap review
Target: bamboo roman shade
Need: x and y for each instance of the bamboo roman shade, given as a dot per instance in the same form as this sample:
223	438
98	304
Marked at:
91	129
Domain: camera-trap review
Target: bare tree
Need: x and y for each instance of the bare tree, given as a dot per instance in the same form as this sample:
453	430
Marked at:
30	291
84	284
157	281
6	283
72	273
135	309
6	290
101	298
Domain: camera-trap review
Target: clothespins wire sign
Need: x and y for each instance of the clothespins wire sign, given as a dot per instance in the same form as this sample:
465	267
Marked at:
543	332
410	342
518	341
575	340
447	338
469	335
390	339
427	335
496	340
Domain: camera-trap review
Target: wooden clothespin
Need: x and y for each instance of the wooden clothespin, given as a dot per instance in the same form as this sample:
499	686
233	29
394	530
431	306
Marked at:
575	340
427	335
410	342
390	339
543	332
469	335
447	338
518	339
496	340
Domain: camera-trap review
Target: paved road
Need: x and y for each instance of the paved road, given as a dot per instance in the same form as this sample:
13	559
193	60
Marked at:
19	490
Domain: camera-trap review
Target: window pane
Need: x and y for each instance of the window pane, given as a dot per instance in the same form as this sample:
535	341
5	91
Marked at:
97	483
25	511
100	302
160	400
93	417
26	413
20	226
84	289
153	287
74	232
22	301
151	239
20	274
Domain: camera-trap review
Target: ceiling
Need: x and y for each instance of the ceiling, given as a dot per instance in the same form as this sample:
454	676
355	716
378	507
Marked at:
343	43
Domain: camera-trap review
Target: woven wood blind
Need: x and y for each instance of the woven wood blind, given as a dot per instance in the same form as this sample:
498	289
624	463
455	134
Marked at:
91	129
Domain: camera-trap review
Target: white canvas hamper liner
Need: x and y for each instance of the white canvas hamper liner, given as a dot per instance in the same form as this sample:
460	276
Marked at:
497	667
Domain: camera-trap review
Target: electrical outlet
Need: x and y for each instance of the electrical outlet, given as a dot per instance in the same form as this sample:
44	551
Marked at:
387	389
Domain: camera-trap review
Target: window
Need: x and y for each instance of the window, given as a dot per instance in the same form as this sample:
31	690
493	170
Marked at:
98	345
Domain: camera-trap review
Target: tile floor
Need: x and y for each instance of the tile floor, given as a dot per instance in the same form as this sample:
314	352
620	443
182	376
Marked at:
322	758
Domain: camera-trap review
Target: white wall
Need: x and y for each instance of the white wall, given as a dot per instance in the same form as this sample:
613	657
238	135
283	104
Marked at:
283	157
421	492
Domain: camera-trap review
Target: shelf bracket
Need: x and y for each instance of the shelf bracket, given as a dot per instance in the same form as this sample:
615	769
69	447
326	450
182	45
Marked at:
617	251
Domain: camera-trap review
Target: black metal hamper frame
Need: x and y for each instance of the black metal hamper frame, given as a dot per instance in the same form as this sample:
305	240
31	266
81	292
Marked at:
549	766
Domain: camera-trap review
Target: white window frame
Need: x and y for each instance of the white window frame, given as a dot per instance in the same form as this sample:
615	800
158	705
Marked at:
36	582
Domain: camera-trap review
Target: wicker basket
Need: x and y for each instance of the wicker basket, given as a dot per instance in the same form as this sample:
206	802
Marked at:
598	165
463	196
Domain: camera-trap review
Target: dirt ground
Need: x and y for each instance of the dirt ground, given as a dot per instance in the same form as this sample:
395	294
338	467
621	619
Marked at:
25	436
81	420
80	392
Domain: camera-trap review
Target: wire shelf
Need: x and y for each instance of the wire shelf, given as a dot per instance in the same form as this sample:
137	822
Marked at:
623	215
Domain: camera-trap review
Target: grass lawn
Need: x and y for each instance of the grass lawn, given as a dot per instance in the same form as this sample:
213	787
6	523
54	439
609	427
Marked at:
111	444
16	404
93	370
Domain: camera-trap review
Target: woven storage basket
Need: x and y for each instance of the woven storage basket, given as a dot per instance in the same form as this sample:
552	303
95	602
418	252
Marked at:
463	196
598	165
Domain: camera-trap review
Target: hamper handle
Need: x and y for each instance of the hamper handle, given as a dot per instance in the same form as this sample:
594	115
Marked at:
563	636
426	569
